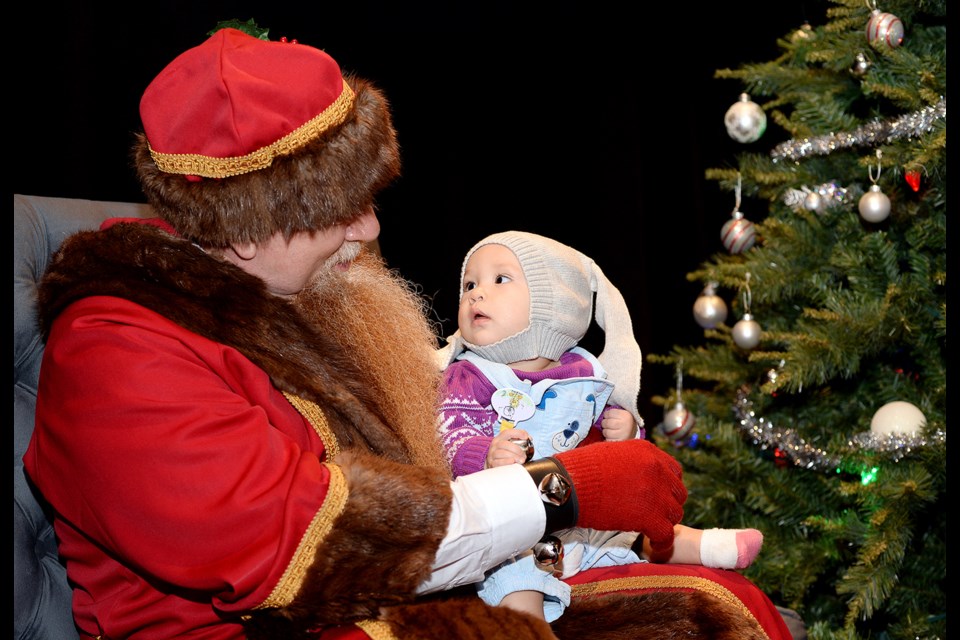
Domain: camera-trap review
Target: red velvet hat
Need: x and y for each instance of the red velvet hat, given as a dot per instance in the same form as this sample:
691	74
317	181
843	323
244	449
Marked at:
245	137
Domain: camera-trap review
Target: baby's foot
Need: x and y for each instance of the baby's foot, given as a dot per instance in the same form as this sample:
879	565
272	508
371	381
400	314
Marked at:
729	548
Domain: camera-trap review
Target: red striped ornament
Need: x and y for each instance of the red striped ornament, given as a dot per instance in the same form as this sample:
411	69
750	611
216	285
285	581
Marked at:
884	28
677	423
738	234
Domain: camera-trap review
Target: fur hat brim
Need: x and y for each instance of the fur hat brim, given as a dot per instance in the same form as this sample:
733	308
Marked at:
327	182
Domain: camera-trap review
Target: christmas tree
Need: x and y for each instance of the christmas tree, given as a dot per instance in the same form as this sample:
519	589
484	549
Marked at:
815	407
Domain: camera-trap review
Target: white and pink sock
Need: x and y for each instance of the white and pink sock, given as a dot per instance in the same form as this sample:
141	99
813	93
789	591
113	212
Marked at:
729	548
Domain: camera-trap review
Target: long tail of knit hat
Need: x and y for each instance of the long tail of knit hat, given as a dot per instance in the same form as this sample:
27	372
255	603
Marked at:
562	284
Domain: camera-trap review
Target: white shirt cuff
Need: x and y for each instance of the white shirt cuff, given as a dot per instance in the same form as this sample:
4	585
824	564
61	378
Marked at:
497	513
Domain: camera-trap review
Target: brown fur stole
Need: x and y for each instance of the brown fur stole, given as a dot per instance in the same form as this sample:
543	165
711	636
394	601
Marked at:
219	301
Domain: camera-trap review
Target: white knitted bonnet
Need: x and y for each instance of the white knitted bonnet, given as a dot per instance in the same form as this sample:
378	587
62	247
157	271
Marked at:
562	284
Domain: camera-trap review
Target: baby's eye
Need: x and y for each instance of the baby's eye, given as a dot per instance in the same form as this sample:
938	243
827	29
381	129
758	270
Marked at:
502	279
467	286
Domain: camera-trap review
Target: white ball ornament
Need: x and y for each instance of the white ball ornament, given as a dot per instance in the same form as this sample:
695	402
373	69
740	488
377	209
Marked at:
874	205
745	120
709	309
897	417
746	333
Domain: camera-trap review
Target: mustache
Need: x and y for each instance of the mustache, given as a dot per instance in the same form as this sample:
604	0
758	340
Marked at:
328	275
348	252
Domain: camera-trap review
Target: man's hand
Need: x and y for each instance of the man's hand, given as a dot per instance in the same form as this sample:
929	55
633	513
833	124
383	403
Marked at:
618	425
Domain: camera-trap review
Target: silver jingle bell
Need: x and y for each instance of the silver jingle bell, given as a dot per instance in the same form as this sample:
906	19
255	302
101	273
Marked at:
555	489
549	551
524	443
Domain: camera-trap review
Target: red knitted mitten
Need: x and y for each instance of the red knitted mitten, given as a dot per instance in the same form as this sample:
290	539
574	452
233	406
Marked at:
627	486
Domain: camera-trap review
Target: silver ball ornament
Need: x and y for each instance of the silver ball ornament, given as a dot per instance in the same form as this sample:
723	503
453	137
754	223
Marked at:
861	65
677	422
745	120
738	234
709	309
874	205
814	202
884	28
746	333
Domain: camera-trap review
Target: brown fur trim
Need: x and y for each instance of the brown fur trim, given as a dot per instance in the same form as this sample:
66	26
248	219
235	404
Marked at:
656	615
465	618
327	182
380	549
179	281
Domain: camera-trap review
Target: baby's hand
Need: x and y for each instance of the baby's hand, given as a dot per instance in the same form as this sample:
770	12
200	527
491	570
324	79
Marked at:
618	424
503	452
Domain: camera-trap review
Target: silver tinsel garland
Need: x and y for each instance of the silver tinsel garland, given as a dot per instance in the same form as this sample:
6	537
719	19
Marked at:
830	194
766	435
910	125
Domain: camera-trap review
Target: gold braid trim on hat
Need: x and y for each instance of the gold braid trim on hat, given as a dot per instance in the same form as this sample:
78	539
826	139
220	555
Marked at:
664	582
292	579
193	164
314	415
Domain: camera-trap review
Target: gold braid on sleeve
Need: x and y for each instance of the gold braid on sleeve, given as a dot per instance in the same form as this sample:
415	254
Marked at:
314	415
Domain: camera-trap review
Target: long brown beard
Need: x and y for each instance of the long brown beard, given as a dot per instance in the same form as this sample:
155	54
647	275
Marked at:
380	318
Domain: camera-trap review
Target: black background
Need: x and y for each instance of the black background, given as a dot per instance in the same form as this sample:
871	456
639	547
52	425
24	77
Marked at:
584	122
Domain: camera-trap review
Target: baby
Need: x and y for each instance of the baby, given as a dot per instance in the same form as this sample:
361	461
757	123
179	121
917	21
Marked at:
518	385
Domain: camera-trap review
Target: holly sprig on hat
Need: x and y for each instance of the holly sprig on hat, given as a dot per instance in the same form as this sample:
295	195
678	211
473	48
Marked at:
249	27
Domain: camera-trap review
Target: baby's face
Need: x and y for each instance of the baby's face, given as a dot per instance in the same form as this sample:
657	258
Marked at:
495	301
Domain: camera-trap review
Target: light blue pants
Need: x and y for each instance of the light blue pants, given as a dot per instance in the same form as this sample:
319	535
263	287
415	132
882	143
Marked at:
582	549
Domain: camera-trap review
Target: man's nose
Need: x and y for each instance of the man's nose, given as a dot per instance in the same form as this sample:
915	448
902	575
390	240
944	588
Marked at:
364	228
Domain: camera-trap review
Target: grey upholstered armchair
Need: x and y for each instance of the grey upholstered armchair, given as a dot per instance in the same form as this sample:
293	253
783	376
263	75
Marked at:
41	595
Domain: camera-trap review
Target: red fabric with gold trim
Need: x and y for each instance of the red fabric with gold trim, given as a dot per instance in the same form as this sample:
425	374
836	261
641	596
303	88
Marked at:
637	578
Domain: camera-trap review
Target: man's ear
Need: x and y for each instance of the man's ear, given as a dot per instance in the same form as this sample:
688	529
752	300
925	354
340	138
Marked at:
244	250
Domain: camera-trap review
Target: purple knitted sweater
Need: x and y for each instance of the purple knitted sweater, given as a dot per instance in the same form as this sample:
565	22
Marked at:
466	419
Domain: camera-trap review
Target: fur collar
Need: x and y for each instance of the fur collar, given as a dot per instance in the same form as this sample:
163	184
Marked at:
176	279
